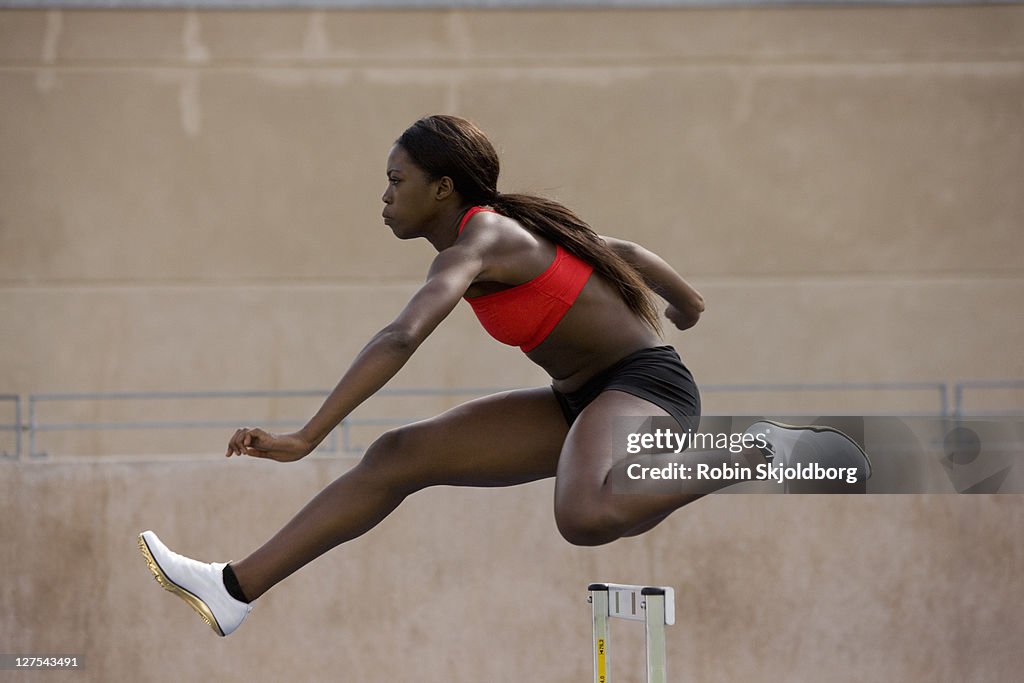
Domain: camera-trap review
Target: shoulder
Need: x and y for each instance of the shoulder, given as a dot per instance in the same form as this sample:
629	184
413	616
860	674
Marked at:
457	267
619	246
488	230
481	222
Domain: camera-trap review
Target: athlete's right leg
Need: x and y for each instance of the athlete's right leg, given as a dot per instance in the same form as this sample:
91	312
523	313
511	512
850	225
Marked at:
499	440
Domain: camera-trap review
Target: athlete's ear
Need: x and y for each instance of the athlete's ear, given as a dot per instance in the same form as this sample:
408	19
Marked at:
444	189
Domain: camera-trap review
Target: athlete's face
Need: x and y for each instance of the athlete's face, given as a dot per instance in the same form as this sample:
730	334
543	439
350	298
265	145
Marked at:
410	199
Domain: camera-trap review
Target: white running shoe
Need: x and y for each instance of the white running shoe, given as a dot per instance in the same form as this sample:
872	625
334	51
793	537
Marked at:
791	445
199	584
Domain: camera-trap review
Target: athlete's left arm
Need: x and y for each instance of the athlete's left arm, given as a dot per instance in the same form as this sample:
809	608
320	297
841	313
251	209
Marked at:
451	273
685	303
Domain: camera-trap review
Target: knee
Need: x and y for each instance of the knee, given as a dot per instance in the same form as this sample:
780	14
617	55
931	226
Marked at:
391	460
585	526
381	453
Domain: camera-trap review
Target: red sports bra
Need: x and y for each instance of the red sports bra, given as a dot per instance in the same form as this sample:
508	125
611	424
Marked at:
525	314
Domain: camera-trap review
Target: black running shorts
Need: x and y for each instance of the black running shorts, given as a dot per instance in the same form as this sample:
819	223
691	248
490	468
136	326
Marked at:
656	374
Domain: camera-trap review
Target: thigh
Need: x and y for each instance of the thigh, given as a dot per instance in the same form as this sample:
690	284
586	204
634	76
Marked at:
589	453
497	440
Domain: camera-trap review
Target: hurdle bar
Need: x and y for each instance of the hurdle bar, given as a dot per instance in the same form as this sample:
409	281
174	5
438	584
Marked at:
653	605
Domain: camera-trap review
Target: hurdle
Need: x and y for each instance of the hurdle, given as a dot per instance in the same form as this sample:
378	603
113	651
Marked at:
653	605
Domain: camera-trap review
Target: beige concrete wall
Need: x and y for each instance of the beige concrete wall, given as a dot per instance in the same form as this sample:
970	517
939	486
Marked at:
471	585
190	201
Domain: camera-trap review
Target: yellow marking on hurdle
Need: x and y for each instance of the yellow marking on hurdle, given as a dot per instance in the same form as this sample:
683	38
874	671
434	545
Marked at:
653	605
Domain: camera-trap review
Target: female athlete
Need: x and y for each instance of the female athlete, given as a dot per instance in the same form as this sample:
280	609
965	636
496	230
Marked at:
538	277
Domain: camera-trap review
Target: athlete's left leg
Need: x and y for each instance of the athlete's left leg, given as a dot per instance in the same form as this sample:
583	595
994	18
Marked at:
587	509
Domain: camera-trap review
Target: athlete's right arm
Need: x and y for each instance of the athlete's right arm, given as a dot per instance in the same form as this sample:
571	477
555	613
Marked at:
450	275
685	303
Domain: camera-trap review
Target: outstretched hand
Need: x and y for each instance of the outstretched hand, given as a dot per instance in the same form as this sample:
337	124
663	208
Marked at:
262	444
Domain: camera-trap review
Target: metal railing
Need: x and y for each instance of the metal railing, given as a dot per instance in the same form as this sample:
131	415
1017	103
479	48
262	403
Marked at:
936	395
15	426
961	388
936	390
34	426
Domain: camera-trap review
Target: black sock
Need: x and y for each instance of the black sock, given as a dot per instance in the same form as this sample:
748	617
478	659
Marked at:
231	584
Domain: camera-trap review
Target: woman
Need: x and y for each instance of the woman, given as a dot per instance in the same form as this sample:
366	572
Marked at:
537	277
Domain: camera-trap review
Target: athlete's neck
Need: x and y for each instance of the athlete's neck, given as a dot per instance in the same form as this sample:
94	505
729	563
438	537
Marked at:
445	229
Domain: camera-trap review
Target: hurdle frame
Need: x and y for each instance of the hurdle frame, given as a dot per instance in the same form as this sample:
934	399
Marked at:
653	605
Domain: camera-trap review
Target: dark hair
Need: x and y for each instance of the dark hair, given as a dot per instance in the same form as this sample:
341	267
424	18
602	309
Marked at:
450	146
